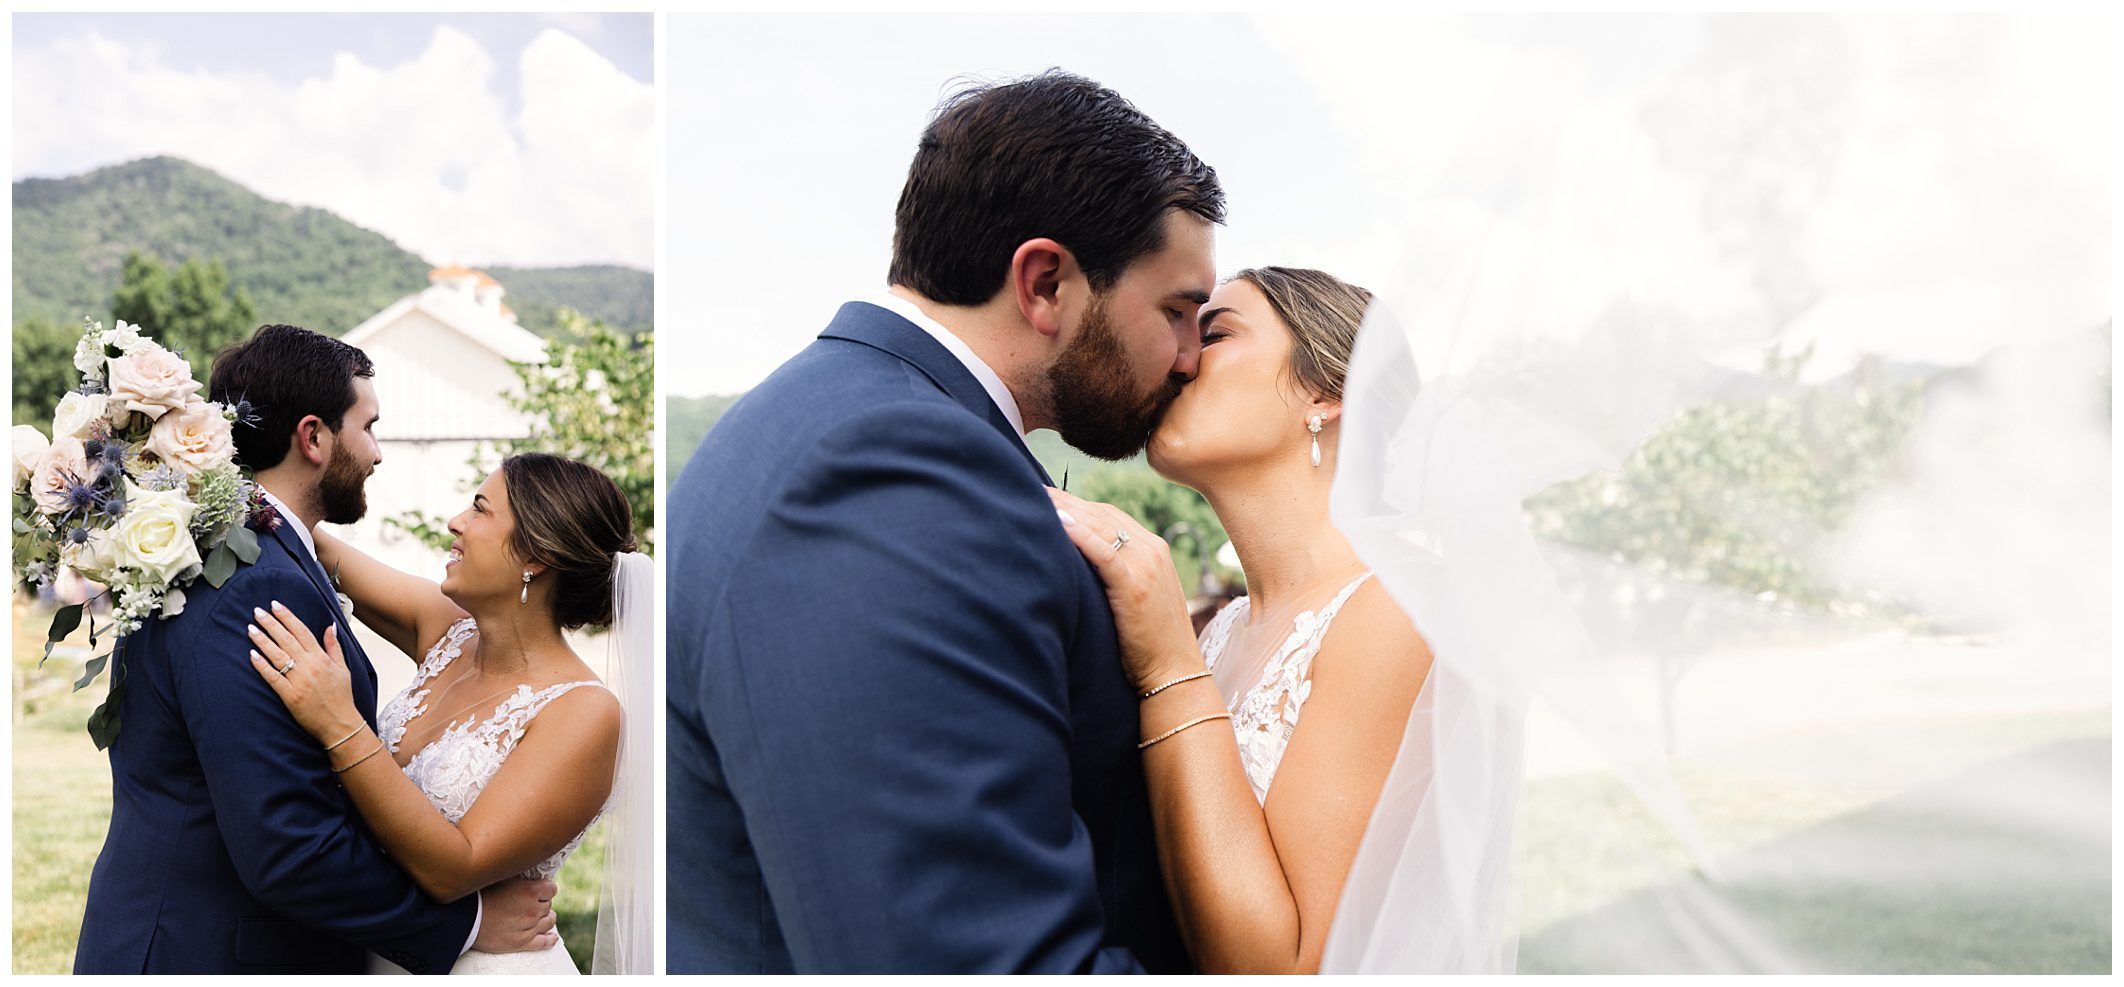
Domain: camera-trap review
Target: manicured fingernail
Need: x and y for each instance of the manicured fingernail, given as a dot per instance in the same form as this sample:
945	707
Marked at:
1067	520
255	656
254	630
255	612
278	607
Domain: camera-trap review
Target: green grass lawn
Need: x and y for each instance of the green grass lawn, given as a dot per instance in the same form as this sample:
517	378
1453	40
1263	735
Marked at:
1912	852
63	807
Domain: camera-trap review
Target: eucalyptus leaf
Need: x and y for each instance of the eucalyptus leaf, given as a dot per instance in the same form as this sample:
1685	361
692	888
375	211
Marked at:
103	723
63	623
89	673
220	565
244	542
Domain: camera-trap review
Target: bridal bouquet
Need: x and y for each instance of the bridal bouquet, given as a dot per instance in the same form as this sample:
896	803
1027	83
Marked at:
137	489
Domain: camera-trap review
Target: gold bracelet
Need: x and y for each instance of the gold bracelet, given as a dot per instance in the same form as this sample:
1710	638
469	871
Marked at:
1183	726
1184	678
357	761
342	740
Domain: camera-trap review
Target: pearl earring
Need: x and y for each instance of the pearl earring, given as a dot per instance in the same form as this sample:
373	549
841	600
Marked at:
525	596
1313	425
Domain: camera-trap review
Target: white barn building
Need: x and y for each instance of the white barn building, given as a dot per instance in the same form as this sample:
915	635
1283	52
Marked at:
442	368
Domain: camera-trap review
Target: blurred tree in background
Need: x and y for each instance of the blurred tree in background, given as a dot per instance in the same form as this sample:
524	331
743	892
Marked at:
1736	493
44	370
193	310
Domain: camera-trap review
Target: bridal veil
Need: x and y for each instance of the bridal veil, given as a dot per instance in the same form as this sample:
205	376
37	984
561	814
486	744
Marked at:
1737	434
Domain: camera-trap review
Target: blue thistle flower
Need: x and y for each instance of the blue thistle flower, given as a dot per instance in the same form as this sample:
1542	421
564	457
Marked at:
110	454
246	413
80	497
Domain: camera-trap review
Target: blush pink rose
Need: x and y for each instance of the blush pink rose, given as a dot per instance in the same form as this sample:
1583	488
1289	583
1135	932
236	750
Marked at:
194	439
152	381
65	463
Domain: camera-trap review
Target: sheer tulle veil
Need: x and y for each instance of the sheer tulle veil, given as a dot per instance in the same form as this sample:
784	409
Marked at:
626	908
1684	435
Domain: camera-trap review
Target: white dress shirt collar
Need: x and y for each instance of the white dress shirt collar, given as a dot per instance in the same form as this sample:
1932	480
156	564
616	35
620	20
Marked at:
982	372
292	520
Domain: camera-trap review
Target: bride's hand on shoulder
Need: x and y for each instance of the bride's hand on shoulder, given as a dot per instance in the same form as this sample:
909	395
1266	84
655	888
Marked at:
312	679
1150	608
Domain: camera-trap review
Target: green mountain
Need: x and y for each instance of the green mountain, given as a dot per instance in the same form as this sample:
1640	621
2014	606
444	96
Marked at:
301	265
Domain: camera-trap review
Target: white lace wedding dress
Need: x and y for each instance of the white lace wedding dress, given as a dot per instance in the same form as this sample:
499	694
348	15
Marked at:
1265	710
453	769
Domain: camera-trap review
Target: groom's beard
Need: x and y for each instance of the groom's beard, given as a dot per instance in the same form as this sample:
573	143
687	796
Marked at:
1097	408
341	490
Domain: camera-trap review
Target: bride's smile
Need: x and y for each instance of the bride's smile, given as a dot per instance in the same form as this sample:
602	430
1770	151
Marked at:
481	566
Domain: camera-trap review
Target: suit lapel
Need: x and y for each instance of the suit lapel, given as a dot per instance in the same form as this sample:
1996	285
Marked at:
883	329
357	659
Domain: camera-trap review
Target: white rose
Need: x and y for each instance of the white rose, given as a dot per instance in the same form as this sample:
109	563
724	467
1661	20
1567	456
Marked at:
195	439
152	381
95	558
172	603
79	412
30	445
154	538
64	464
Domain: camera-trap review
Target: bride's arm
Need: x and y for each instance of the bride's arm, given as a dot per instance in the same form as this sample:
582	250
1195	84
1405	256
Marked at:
1255	887
550	788
404	609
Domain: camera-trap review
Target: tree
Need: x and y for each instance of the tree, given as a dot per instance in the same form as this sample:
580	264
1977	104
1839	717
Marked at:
593	400
193	310
44	369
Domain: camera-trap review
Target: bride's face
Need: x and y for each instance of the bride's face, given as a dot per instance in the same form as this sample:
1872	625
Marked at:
482	563
1243	406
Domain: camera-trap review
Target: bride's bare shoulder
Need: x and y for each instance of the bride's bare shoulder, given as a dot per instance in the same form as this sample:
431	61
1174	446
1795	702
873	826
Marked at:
587	714
1371	637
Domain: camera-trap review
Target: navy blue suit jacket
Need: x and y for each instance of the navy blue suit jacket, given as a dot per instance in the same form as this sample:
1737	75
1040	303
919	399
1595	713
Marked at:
900	738
232	846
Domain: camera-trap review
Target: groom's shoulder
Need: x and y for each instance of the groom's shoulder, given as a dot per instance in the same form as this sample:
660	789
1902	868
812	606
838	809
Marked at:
835	386
272	576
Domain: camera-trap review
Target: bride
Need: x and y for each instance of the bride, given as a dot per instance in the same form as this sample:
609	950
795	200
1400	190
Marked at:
504	749
1316	669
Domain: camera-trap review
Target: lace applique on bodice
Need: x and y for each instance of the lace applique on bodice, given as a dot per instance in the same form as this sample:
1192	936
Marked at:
1265	714
455	767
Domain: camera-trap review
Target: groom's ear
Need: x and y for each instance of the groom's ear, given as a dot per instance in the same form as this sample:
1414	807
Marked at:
309	440
1038	269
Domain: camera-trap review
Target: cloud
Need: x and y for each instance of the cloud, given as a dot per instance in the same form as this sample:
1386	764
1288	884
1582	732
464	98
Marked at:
424	151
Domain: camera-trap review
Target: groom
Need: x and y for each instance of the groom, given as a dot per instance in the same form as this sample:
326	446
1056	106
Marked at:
899	735
232	848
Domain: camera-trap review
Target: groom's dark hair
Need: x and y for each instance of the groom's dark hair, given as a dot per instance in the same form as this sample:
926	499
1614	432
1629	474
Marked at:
278	377
1054	155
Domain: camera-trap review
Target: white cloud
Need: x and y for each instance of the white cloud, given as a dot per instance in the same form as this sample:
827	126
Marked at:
424	151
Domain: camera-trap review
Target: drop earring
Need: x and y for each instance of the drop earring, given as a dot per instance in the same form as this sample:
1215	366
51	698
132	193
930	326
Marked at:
525	596
1313	425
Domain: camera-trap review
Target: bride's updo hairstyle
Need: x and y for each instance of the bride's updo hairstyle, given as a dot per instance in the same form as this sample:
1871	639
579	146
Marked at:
1323	312
572	519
